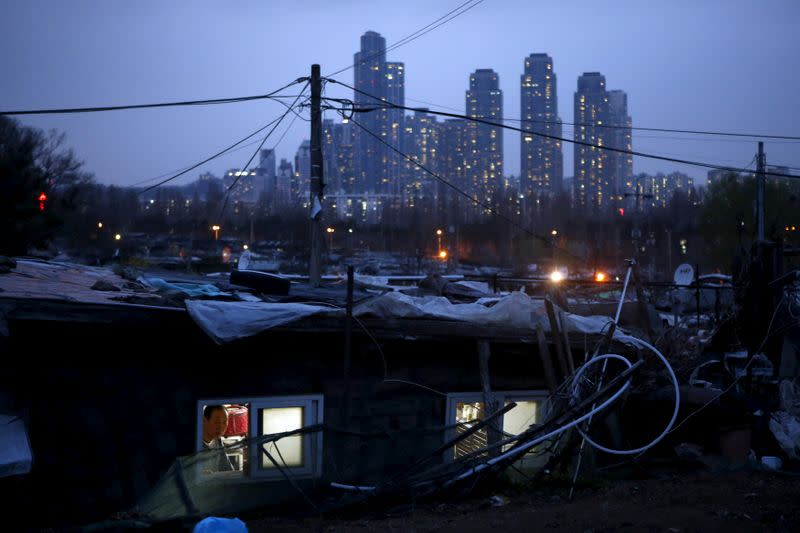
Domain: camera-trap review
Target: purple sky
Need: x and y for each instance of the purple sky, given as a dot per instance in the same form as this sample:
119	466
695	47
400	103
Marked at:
728	65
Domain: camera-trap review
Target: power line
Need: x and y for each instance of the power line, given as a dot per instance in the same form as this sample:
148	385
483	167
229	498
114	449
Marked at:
634	128
214	101
472	199
419	33
244	169
564	139
242	147
204	161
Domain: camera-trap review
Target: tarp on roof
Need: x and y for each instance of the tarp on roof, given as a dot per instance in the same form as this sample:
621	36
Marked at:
228	321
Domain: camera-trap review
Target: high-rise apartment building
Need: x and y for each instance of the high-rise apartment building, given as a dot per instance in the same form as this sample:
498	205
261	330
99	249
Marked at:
593	181
377	168
541	158
484	100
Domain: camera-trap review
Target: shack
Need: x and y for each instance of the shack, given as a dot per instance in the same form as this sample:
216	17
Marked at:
112	392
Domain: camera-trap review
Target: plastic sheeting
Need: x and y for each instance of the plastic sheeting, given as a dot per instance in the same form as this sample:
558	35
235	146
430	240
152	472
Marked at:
192	290
228	321
515	310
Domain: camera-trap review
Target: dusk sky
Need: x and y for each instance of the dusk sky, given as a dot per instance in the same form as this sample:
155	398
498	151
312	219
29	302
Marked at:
728	65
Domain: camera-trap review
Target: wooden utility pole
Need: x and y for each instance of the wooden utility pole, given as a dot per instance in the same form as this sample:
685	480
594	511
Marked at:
760	182
317	184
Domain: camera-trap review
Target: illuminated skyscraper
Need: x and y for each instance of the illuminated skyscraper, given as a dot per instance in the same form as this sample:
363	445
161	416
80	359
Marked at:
377	168
593	181
620	137
421	143
485	154
542	162
302	172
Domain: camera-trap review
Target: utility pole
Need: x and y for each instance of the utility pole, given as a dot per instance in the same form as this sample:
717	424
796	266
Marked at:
760	182
317	185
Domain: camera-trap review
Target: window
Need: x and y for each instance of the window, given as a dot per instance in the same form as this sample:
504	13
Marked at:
468	408
225	424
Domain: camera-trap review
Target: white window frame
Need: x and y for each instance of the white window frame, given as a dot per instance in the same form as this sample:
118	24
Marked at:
313	410
501	397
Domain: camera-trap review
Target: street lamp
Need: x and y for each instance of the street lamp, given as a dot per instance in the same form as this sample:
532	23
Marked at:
215	228
99	225
443	255
554	233
117	237
439	238
330	230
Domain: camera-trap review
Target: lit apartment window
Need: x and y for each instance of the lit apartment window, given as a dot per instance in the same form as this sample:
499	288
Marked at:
468	408
224	425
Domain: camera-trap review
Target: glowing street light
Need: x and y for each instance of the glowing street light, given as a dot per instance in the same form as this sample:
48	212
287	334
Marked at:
117	237
556	276
439	239
554	233
99	225
215	228
245	247
331	231
600	277
443	255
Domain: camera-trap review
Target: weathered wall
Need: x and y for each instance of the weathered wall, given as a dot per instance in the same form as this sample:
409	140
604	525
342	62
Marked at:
110	406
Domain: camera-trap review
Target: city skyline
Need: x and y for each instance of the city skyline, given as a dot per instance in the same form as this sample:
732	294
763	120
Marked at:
693	91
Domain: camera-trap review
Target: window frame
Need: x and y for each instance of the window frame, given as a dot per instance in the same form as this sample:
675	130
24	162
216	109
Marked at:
313	413
536	395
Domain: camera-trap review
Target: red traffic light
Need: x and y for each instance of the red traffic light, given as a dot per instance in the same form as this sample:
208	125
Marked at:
42	199
621	211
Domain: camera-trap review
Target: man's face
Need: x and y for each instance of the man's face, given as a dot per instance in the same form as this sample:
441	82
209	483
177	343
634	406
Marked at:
215	425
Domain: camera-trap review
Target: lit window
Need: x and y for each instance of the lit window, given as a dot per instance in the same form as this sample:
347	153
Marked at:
466	409
231	430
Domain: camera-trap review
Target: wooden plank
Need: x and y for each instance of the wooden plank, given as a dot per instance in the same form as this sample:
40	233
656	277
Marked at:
489	401
562	318
555	335
547	360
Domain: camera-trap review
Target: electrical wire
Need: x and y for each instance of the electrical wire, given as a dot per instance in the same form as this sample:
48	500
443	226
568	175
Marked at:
204	161
289	109
571	141
471	198
214	101
636	128
460	10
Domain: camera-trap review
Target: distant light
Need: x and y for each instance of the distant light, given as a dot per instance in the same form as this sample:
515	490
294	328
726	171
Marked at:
350	230
330	230
443	255
556	276
554	233
600	277
245	247
438	232
616	278
100	225
117	237
152	201
215	227
793	228
621	211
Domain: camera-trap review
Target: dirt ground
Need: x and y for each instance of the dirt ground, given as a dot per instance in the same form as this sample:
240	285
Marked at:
729	502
